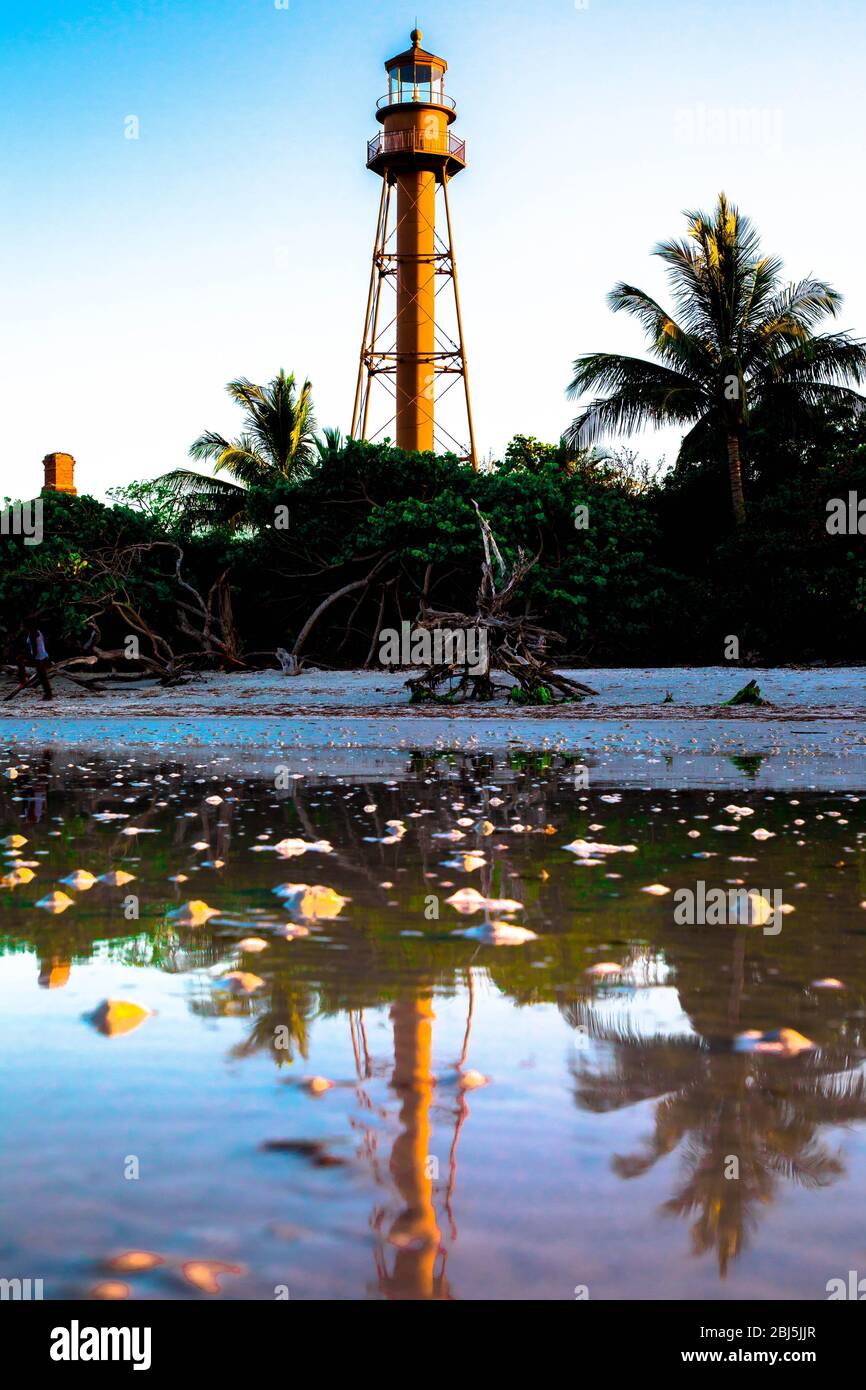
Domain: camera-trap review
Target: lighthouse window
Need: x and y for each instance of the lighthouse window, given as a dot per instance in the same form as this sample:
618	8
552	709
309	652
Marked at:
417	82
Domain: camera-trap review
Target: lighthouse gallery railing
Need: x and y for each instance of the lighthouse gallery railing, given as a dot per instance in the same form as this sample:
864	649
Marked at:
398	141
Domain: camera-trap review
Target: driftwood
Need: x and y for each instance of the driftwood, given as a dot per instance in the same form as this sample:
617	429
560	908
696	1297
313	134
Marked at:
58	668
326	603
205	620
514	645
289	664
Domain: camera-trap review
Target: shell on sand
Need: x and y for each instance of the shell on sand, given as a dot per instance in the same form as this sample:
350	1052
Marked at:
116	878
470	862
784	1042
80	880
311	900
589	849
21	874
110	1291
55	902
193	914
753	909
242	982
115	1016
290	849
470	900
498	934
134	1260
205	1274
472	1080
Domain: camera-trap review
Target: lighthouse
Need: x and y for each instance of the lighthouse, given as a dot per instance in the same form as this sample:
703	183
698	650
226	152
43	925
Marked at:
407	348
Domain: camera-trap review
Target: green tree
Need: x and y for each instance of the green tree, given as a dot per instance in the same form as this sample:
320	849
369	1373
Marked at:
741	340
527	454
277	444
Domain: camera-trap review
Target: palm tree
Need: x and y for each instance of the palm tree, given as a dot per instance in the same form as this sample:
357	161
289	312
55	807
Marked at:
742	341
330	443
278	443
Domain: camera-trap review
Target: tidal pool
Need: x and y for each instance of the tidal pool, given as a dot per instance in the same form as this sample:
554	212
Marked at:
361	1102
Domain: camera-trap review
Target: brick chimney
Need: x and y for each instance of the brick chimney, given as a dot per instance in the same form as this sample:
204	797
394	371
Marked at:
59	473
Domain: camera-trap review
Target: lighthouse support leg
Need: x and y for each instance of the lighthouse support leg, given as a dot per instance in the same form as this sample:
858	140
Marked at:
472	454
375	271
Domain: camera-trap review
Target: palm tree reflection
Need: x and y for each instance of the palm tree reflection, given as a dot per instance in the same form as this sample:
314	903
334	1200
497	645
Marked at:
281	1026
717	1105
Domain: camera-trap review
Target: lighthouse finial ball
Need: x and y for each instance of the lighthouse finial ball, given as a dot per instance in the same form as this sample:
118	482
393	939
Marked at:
416	36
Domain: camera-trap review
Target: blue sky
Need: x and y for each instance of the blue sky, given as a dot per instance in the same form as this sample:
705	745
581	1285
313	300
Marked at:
234	235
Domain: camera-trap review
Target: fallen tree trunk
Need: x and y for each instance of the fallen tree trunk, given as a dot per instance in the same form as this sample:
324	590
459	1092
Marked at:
326	603
58	668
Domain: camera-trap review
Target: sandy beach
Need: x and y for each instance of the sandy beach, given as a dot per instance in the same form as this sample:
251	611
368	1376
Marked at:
812	733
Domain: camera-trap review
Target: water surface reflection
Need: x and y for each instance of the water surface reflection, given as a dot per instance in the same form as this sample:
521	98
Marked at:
337	1094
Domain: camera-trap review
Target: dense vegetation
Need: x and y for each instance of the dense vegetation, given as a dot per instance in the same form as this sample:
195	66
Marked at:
653	571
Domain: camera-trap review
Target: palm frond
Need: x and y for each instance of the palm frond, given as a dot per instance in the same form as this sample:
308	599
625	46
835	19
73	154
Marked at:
208	447
207	501
798	307
186	482
683	350
827	357
330	441
639	394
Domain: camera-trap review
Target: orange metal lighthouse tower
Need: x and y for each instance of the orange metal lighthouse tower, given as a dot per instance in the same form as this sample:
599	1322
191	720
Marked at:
407	350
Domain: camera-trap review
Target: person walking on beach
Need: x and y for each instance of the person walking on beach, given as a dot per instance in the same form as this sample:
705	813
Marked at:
32	652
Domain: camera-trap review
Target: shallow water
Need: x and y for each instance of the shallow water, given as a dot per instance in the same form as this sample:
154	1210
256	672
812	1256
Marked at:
502	1124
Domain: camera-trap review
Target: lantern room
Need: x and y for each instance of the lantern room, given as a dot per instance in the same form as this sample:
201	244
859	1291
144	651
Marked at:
416	77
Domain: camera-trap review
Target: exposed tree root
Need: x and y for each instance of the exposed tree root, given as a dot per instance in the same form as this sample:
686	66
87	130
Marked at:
514	647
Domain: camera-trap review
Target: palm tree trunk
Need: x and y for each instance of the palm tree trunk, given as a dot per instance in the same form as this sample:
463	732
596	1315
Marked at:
736	476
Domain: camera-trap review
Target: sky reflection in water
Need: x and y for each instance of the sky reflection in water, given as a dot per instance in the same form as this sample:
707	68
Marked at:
501	1123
